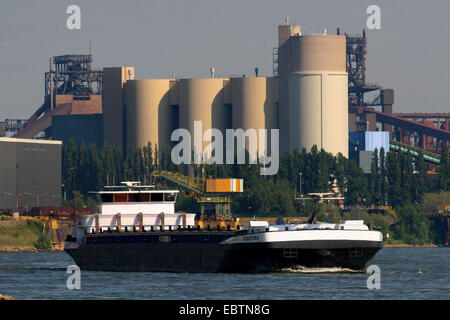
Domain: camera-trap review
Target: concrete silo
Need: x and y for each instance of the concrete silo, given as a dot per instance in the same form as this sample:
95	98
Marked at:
148	113
318	102
202	99
285	32
113	97
254	107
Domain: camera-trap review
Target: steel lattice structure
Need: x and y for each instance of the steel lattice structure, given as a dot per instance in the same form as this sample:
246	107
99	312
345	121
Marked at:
14	125
73	74
356	47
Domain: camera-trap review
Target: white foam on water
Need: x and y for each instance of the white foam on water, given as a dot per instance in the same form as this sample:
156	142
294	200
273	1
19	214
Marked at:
302	269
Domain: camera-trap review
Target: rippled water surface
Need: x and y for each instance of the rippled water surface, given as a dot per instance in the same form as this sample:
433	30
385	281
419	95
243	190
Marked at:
406	273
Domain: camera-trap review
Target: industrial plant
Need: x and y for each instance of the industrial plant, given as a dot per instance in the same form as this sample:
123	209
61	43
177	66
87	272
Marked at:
306	99
317	95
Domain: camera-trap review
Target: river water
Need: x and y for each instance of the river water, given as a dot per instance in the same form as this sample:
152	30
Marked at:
405	273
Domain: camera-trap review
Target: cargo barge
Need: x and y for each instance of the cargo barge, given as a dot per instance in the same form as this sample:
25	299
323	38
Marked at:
137	229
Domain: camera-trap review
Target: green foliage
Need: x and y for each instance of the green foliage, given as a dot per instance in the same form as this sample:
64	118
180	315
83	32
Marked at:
376	179
356	186
186	204
43	242
396	179
25	237
421	184
444	169
412	227
329	212
36	225
433	202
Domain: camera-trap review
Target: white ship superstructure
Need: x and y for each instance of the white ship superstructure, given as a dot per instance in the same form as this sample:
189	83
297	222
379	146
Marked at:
138	207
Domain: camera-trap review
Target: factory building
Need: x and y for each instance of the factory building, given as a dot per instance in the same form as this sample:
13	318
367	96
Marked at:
306	101
72	105
30	172
87	128
362	144
315	97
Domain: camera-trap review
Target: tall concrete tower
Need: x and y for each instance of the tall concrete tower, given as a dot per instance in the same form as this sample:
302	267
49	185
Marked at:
254	107
284	34
113	98
202	99
148	113
313	102
318	93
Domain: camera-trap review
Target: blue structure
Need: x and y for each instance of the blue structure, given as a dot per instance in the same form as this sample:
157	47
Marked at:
368	141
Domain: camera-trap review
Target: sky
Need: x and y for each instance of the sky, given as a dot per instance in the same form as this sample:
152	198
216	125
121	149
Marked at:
410	53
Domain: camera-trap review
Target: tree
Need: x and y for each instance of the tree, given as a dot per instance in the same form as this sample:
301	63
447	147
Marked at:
95	179
324	171
148	161
69	161
412	227
394	179
82	180
383	178
375	181
420	179
356	189
407	172
108	165
444	169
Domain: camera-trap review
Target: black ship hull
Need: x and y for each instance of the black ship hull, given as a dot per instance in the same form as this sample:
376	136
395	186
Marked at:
205	252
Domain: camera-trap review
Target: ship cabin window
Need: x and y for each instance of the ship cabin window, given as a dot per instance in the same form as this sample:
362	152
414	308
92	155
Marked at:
138	197
120	197
169	196
107	197
157	197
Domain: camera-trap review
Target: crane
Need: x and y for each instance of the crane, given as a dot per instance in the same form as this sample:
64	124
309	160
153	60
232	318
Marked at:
213	195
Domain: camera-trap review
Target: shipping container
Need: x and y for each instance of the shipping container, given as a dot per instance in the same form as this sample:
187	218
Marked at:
224	185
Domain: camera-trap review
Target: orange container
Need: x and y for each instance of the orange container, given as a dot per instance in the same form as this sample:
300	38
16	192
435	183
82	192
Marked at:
224	185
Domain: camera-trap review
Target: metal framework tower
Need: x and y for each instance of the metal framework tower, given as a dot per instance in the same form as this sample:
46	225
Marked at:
356	69
72	74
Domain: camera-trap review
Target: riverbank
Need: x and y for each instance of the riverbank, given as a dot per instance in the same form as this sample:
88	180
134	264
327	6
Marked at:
23	236
3	297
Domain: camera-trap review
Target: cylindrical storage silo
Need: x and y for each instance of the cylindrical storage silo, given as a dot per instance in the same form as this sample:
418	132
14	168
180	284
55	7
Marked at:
202	100
318	93
148	114
254	107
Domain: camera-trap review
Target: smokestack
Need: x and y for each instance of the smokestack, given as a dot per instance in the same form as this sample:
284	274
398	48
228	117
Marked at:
256	71
212	70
